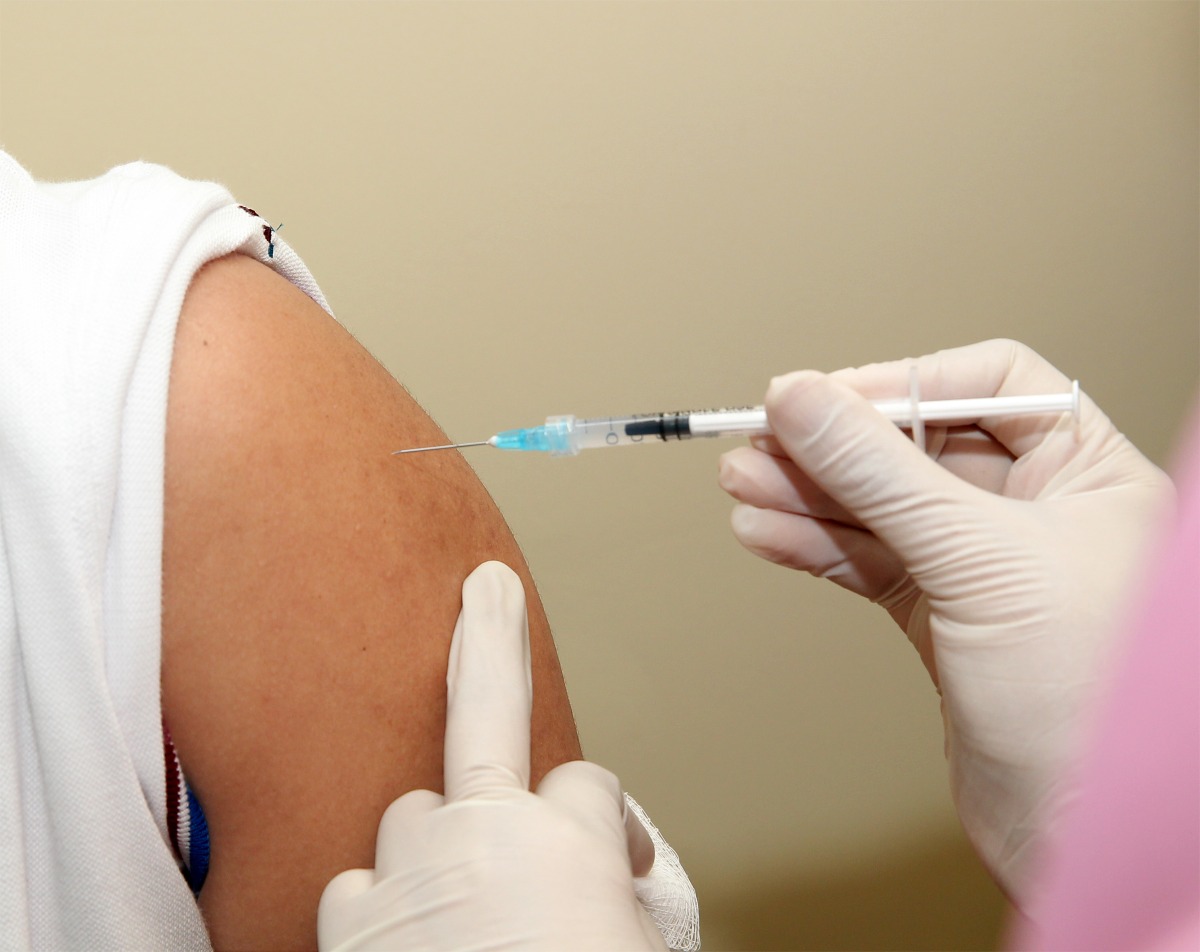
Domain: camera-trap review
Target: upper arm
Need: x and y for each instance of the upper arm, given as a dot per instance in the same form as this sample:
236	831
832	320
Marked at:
311	582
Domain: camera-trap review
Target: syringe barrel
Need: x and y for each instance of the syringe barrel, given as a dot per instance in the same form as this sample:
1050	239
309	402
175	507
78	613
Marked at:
626	431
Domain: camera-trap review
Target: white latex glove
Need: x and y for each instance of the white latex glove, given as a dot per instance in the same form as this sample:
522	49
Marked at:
491	865
1005	564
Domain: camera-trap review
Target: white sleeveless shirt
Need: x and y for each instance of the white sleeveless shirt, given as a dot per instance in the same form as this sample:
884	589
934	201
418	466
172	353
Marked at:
92	277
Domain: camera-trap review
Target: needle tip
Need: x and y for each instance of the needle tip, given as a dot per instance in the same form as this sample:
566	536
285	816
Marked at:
448	446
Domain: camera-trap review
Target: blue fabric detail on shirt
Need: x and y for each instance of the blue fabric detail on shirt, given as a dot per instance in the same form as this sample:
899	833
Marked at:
198	844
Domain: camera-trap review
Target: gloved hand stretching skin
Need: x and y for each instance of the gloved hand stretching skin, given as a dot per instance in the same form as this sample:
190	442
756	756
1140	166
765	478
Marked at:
1006	565
491	865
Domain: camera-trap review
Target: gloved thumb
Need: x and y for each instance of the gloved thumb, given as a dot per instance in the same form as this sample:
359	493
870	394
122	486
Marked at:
866	463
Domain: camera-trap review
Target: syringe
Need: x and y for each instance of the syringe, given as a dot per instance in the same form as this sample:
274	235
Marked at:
568	436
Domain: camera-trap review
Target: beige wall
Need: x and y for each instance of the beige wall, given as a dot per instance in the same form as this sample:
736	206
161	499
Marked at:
528	209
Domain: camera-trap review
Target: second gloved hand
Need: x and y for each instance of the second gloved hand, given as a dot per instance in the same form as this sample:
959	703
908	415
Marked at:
491	865
1005	558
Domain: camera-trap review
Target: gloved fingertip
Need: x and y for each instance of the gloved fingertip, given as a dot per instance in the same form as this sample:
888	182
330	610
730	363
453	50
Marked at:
746	522
346	885
727	472
493	589
795	403
489	579
788	383
335	916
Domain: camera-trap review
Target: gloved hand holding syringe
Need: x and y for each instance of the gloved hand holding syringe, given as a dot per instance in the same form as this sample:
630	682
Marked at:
568	436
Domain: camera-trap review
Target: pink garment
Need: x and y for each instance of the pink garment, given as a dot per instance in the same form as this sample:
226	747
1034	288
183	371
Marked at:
1124	874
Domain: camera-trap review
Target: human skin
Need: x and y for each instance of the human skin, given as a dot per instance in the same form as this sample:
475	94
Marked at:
311	582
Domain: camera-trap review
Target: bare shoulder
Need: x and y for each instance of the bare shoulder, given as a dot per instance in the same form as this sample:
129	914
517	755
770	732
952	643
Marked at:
311	582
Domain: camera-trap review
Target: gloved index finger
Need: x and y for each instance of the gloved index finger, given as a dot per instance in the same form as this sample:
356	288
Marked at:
489	696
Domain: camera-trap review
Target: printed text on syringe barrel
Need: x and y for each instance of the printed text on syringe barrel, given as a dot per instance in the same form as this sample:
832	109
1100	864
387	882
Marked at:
669	426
